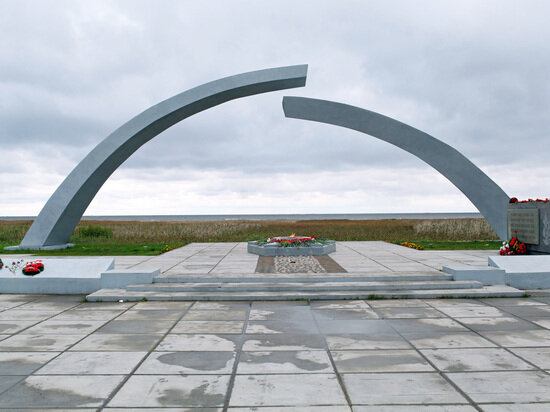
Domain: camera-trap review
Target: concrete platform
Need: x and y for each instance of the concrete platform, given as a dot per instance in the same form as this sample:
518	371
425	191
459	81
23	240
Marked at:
524	272
459	355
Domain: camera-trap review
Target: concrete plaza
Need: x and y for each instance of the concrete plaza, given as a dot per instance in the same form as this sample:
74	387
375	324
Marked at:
60	353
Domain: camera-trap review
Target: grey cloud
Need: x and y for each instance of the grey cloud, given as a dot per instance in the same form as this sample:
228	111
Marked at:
471	74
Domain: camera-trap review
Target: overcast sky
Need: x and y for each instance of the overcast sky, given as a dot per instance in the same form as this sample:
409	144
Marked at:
472	74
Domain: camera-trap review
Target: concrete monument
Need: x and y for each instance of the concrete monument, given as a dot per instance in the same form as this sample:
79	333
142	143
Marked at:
57	220
483	192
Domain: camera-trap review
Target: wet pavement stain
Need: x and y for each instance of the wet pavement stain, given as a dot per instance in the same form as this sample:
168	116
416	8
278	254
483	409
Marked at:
18	367
26	395
381	363
196	397
71	326
203	361
282	358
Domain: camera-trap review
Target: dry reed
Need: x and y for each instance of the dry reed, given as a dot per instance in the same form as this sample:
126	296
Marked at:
12	232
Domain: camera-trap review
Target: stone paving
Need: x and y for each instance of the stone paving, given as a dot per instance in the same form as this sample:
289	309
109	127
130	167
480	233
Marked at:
62	354
352	256
59	353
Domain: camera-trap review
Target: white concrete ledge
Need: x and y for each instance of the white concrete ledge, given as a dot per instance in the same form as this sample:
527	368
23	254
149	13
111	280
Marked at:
119	278
72	276
60	276
524	272
487	275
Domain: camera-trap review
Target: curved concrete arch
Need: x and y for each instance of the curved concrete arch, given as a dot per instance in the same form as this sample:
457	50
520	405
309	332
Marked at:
60	215
483	192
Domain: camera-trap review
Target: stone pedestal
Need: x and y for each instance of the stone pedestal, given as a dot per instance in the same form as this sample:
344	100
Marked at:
532	223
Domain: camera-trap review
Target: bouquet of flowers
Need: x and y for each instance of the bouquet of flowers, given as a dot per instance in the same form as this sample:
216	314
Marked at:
513	247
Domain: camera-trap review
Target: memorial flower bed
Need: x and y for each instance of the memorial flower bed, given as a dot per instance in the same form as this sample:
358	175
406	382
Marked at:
292	241
412	245
291	246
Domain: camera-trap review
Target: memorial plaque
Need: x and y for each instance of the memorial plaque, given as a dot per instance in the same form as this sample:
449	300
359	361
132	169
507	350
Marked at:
526	223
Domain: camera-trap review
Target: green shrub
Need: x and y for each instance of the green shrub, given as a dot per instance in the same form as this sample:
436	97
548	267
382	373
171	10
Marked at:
94	231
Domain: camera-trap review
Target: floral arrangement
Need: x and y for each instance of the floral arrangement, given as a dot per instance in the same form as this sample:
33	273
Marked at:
513	247
412	245
15	265
515	200
33	268
292	241
29	268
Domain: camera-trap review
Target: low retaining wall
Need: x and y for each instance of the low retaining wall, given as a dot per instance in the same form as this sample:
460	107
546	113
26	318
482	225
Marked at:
72	276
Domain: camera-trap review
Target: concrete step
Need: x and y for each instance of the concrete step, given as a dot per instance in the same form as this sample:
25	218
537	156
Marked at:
113	295
301	277
301	287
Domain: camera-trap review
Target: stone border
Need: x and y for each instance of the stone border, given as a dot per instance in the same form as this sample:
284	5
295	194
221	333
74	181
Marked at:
275	250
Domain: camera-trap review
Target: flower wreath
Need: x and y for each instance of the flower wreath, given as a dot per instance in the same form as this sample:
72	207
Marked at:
33	268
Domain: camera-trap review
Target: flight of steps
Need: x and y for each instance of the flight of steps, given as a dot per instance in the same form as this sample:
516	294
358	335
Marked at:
294	286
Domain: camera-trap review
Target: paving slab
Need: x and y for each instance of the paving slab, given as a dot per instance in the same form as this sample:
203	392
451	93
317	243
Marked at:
92	363
18	314
280	390
209	326
474	359
294	313
426	325
409	312
151	315
415	408
442	340
188	363
500	323
280	326
272	362
63	391
400	389
23	363
471	311
283	342
85	315
545	322
199	342
215	315
344	314
117	343
137	326
331	408
505	386
172	391
64	327
371	326
13	326
529	312
351	361
524	338
47	343
537	356
513	407
364	341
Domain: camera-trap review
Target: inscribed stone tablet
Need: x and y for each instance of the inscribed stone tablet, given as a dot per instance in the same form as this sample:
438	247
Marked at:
526	222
